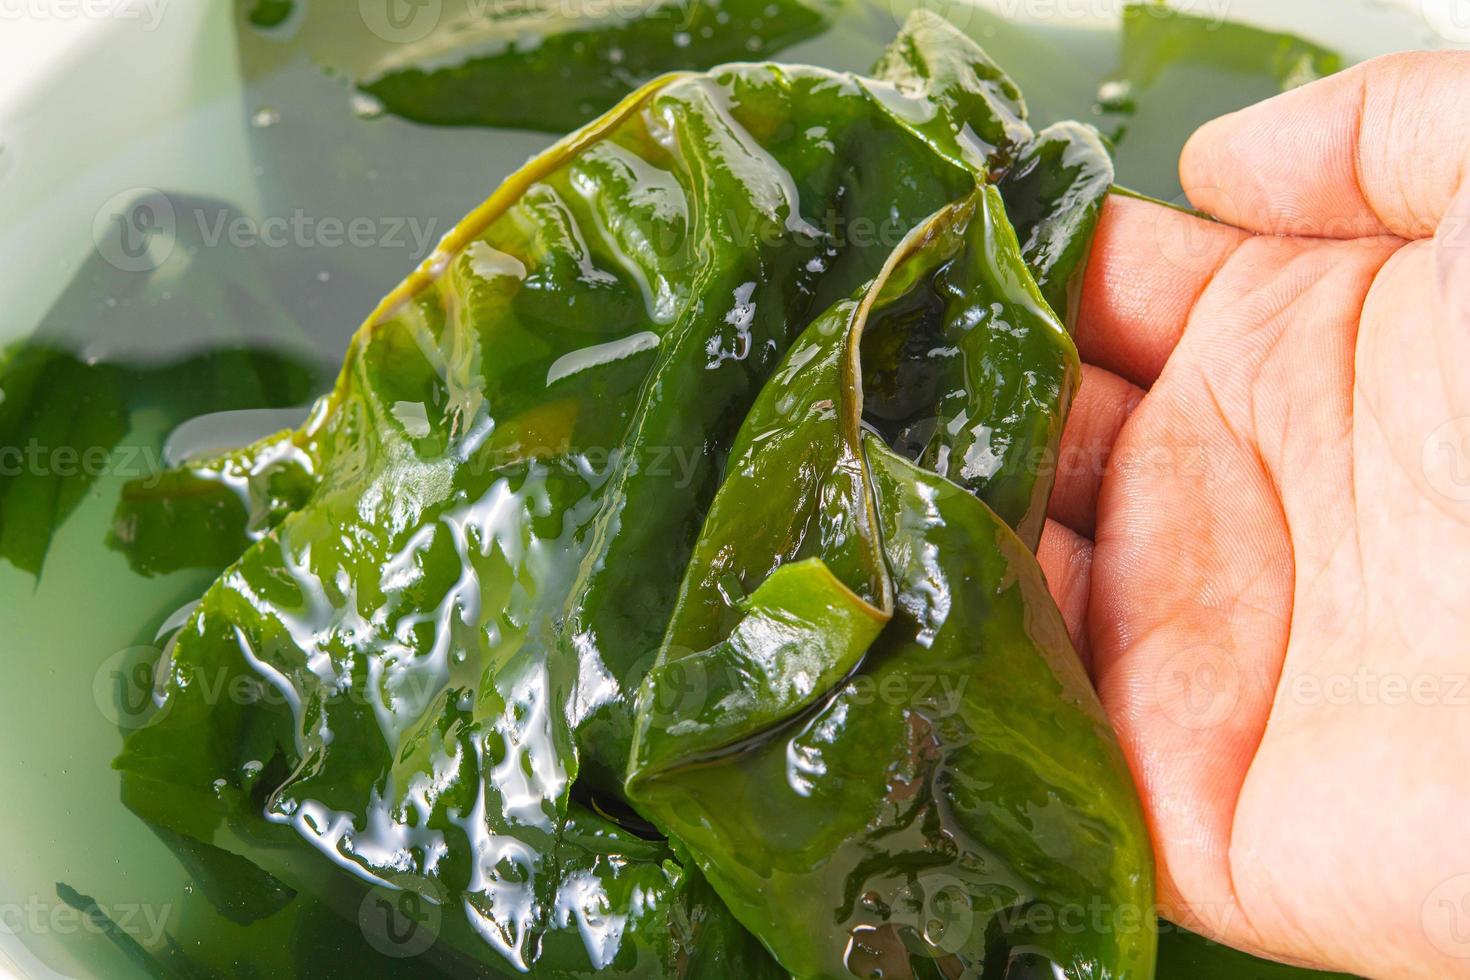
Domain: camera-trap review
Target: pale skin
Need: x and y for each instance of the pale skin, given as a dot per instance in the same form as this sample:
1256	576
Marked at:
1260	536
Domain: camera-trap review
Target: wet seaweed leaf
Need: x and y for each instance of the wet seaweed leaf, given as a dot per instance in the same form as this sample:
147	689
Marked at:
457	574
57	415
65	415
1179	70
552	66
226	501
984	777
1054	196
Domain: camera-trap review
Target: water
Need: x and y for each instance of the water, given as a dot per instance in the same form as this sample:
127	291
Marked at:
292	205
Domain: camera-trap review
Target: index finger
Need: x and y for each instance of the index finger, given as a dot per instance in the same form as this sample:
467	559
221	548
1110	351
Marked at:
1148	267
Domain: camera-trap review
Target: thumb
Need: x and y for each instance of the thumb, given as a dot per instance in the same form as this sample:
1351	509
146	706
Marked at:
1381	149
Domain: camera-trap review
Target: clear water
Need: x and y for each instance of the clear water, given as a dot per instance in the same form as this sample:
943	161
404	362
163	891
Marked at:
250	130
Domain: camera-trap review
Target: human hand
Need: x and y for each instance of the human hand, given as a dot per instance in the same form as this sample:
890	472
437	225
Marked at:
1270	576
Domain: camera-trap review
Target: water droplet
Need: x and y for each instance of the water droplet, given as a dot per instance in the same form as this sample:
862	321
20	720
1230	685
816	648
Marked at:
265	117
1116	96
323	276
681	39
365	106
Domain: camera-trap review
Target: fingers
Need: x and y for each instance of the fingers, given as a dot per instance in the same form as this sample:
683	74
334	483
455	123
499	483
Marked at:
1103	404
1066	560
1189	615
1149	266
1379	149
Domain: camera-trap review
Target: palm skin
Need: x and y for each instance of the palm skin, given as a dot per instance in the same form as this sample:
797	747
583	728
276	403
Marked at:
1270	572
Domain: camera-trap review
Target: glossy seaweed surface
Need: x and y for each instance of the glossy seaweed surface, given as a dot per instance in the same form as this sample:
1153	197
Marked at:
614	430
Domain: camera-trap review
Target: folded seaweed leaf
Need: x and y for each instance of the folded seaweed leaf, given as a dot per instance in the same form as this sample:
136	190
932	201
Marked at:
982	777
810	558
454	587
226	501
936	377
1054	195
1054	182
978	116
455	576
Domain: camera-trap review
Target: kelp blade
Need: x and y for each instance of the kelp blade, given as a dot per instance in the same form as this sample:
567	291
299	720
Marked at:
509	479
1178	70
552	66
877	810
